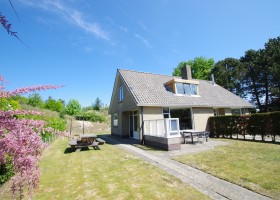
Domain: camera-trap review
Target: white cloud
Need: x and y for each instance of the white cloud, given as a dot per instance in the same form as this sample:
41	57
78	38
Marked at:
144	27
144	40
124	29
69	14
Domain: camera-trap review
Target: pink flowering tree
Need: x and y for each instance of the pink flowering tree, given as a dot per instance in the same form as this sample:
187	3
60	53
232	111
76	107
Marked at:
20	140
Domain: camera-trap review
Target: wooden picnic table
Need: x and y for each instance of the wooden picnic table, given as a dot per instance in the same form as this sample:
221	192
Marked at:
86	140
192	133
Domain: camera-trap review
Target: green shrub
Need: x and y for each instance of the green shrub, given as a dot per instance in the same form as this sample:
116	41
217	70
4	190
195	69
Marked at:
93	117
264	124
6	171
275	120
259	124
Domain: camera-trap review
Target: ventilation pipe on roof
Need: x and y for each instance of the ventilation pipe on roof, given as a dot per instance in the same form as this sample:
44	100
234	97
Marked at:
213	79
186	72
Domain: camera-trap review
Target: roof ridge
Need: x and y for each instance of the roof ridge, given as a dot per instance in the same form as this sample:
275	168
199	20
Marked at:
147	73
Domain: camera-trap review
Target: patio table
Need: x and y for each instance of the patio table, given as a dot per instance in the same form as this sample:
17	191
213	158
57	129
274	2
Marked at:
193	133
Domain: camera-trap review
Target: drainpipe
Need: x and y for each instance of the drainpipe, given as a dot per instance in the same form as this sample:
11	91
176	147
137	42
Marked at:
142	141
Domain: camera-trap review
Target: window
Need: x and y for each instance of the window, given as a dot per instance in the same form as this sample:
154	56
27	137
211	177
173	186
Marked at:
121	94
216	112
186	88
236	111
180	88
193	89
185	117
115	119
166	113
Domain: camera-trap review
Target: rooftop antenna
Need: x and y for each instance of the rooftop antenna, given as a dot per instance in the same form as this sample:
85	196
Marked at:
213	79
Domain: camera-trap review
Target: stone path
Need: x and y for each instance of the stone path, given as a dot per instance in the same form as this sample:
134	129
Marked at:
212	186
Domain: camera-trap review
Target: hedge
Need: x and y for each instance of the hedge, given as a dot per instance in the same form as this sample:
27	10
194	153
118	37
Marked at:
91	117
263	124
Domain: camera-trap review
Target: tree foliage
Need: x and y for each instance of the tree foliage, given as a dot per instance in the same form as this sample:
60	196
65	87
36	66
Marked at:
73	107
52	104
255	76
35	100
97	105
201	67
228	73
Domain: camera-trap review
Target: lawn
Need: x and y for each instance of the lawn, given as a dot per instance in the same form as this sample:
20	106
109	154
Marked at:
253	165
109	173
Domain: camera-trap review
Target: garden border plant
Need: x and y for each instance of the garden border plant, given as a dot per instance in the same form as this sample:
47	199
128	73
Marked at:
20	140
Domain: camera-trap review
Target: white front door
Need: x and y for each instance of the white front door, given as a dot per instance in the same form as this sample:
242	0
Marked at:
133	125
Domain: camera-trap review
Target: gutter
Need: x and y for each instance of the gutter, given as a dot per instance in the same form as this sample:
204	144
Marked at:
142	132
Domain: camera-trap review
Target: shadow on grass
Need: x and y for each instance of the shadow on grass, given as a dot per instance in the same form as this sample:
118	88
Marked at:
248	140
72	150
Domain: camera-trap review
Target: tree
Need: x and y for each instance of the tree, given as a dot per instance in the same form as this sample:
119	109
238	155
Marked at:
97	105
20	140
52	104
257	77
35	100
201	68
229	74
73	107
272	57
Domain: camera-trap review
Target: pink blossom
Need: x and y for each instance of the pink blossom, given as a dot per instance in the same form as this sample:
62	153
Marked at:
20	139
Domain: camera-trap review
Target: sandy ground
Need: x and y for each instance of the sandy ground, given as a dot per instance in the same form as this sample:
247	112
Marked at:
80	127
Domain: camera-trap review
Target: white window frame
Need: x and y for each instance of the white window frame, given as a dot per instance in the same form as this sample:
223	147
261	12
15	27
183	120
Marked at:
115	119
121	96
166	113
189	85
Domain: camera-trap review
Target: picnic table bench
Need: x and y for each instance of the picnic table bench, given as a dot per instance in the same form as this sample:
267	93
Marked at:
86	140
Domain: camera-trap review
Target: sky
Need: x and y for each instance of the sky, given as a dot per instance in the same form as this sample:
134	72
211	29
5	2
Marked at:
80	43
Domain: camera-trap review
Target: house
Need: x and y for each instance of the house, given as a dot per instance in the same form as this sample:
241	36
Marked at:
153	108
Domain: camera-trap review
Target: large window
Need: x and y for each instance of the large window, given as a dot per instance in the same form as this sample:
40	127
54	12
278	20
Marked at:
185	117
121	93
186	88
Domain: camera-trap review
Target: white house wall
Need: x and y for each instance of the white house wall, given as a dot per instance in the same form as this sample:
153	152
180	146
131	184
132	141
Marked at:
200	118
152	113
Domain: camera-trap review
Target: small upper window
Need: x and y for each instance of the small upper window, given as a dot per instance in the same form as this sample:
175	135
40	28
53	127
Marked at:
166	113
121	93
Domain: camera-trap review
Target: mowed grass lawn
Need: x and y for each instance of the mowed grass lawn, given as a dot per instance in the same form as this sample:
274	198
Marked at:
109	173
253	165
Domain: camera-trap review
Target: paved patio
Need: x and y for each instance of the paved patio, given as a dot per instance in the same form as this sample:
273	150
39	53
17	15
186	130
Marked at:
212	186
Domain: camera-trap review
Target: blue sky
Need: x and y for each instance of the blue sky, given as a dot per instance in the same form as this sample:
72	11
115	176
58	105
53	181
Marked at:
81	43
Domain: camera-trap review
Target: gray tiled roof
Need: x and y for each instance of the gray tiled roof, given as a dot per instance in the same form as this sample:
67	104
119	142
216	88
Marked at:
148	90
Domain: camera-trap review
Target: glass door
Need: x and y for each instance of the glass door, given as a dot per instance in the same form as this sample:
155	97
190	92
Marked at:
133	125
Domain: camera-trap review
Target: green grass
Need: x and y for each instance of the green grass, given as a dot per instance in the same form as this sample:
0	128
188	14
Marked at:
253	165
109	173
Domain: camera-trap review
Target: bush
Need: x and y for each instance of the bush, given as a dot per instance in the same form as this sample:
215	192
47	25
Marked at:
275	120
93	117
6	171
264	124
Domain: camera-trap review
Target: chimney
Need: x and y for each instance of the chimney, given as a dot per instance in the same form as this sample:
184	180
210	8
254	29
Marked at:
186	72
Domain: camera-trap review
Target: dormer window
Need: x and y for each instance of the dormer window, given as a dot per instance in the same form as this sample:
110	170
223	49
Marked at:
185	87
